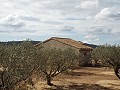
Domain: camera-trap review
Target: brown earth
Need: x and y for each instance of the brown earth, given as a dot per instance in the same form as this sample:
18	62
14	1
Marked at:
87	78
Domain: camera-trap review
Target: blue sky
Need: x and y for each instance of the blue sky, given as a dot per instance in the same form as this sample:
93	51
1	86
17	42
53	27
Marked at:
91	21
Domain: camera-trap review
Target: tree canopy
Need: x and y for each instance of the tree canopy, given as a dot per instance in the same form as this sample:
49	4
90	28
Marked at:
109	54
55	61
17	62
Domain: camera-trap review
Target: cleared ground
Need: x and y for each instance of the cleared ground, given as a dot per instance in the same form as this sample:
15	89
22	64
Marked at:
87	78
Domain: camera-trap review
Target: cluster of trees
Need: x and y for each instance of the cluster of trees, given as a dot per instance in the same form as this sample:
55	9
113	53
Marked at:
109	55
18	62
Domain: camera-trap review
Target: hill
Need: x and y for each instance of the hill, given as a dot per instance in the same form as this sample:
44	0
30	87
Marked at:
91	45
17	42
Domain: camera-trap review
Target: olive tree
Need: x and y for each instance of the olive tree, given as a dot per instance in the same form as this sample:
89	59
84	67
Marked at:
109	54
55	61
96	57
85	60
17	63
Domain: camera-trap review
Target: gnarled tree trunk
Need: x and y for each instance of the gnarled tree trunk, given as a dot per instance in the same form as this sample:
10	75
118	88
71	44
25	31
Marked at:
48	77
117	71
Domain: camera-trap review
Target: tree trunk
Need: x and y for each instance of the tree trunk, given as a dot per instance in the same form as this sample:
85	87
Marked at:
2	80
48	77
116	70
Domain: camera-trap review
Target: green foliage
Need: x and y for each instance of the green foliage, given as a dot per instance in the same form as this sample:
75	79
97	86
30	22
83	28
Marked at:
17	62
55	61
85	60
53	58
109	54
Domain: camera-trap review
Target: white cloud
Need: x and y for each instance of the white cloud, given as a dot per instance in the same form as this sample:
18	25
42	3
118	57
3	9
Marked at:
29	18
60	17
72	18
68	28
14	25
11	21
91	38
100	30
91	4
108	13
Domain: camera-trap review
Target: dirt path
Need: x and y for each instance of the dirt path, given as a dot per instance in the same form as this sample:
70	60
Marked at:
84	79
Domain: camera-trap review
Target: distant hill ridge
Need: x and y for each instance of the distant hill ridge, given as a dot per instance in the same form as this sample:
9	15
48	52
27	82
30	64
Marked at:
18	42
91	45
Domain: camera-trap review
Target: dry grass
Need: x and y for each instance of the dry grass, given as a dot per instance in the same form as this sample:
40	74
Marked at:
83	79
